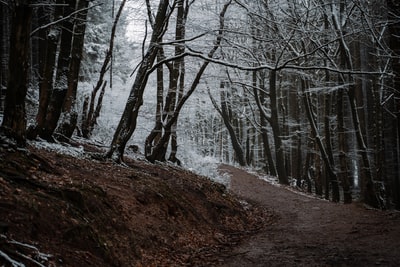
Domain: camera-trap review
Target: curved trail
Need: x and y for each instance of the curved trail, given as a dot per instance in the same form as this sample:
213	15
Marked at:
313	232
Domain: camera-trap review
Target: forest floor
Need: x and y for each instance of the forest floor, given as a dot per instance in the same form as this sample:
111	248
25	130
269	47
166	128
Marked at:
82	210
308	231
60	210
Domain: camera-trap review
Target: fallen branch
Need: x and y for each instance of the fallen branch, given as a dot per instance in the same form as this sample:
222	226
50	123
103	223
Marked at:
31	253
10	260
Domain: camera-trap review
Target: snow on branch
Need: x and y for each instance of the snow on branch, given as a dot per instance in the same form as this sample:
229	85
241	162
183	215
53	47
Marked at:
62	19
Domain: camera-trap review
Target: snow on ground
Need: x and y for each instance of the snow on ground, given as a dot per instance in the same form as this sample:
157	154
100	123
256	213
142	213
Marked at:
207	166
61	148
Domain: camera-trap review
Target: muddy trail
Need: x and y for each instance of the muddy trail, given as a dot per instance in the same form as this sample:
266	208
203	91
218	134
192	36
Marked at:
313	232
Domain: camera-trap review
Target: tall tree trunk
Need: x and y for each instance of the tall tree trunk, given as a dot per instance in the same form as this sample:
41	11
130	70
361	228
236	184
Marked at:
223	111
394	43
279	152
14	120
47	65
311	118
260	101
60	81
127	124
174	135
159	150
294	130
69	113
155	134
369	194
4	52
176	74
309	169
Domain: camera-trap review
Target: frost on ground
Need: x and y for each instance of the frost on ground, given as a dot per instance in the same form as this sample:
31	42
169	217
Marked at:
207	166
60	148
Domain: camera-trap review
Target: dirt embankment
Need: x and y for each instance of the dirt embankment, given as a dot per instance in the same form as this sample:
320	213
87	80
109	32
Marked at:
85	212
66	211
313	232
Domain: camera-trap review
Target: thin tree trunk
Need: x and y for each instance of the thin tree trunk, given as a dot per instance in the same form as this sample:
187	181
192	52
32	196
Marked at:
309	169
260	101
90	120
127	124
279	153
371	195
176	69
155	134
223	111
159	150
174	136
311	118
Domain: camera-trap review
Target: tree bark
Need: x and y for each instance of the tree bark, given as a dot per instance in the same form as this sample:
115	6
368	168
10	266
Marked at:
260	101
14	120
279	153
48	65
60	81
4	52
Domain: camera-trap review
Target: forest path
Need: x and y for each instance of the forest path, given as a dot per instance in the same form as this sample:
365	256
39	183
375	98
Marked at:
313	232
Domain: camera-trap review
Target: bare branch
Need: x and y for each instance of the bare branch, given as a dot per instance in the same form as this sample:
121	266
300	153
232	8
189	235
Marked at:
62	19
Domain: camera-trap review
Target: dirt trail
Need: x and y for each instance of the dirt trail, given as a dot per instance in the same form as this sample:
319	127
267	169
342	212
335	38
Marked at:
313	232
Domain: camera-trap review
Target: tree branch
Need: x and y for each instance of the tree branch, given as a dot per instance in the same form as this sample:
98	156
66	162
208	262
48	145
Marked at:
62	19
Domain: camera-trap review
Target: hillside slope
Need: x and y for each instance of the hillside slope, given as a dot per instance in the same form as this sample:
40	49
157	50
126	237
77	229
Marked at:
66	211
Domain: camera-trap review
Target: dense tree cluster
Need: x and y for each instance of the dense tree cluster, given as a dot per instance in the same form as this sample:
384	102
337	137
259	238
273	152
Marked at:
310	92
306	89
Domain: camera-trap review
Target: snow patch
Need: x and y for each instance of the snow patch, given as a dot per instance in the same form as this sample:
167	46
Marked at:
60	148
207	166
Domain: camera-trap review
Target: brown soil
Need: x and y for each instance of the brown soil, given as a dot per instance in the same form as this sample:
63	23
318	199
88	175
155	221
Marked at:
87	212
313	232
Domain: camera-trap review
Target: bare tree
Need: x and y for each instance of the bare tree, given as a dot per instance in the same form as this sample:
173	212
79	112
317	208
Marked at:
69	114
226	114
159	150
127	124
91	110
